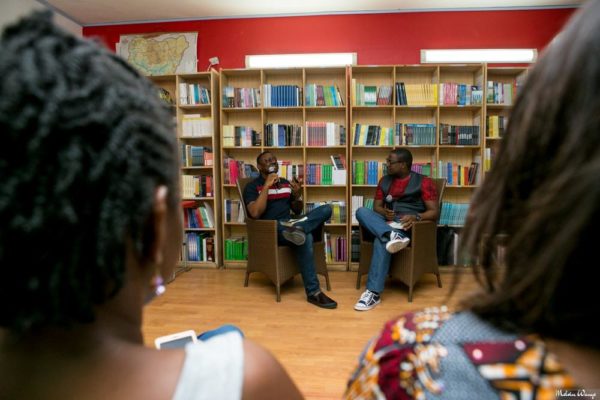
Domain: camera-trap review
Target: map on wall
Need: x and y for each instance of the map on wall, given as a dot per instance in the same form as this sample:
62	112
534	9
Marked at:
160	54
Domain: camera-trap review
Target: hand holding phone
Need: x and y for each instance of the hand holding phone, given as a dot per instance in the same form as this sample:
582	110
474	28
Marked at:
176	340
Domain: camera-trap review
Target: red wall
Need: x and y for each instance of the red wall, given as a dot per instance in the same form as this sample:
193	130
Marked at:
393	38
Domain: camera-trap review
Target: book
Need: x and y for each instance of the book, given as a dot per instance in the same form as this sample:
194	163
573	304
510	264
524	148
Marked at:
292	222
396	225
339	161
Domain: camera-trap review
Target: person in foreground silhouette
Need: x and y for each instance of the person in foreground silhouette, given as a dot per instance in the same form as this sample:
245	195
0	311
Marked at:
528	332
91	222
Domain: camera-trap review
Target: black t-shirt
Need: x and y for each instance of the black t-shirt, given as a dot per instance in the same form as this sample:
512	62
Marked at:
279	201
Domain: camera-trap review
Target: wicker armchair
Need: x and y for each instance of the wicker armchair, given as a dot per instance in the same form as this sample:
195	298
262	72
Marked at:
409	264
278	263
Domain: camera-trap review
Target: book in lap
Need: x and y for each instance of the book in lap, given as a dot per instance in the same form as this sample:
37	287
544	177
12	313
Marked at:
396	225
292	222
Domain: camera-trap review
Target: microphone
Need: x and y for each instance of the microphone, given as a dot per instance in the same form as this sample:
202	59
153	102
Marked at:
271	170
389	200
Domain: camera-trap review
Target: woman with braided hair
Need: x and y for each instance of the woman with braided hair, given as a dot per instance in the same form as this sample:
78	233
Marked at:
89	204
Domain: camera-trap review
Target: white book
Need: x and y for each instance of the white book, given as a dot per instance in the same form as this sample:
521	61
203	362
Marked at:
292	222
209	214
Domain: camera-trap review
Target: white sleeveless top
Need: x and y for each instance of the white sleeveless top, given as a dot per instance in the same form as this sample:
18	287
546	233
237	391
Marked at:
213	369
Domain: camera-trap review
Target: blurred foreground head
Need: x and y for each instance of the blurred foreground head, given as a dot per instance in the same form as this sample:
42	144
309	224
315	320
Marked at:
543	196
85	142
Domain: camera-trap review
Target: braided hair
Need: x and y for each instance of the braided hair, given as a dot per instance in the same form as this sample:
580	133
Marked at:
84	143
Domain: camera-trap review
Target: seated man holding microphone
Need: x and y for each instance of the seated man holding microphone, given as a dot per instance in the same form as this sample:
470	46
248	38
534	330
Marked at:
271	197
402	197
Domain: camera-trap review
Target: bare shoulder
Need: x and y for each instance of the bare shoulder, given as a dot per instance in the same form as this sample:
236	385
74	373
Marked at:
264	377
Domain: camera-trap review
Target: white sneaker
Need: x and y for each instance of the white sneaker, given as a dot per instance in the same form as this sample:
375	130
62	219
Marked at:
396	243
367	301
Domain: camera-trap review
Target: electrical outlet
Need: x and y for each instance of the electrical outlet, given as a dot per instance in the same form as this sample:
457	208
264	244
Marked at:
213	60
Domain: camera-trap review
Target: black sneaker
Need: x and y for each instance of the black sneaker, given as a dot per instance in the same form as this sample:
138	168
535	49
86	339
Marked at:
295	236
320	299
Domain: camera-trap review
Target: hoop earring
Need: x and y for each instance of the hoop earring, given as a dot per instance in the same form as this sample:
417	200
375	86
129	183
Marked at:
157	286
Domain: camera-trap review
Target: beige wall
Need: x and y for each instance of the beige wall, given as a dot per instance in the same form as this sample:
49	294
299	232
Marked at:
10	10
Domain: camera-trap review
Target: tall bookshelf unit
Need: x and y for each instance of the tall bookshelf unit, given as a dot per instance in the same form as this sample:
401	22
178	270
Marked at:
414	114
255	101
503	85
458	157
196	98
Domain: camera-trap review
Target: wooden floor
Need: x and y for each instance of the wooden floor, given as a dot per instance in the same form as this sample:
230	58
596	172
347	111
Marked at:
318	347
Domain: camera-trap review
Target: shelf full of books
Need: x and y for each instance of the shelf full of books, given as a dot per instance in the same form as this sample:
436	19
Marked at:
503	86
300	115
438	112
194	99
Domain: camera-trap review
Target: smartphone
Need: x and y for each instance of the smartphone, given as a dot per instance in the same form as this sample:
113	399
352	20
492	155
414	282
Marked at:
176	340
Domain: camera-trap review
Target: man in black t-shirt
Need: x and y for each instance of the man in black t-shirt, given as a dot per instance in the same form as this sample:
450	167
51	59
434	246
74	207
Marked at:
272	197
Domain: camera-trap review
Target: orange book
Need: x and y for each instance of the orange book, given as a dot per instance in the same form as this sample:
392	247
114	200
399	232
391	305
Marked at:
455	174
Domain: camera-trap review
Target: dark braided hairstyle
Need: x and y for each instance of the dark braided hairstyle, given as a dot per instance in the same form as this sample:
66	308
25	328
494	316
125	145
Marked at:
84	143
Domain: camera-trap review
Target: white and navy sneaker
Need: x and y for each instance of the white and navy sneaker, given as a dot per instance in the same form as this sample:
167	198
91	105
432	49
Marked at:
367	301
396	243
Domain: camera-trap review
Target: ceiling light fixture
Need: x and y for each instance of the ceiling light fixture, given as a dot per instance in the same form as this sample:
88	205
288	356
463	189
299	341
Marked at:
300	60
438	56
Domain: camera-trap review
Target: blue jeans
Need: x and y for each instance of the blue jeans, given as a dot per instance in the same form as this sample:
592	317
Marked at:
376	224
219	331
304	253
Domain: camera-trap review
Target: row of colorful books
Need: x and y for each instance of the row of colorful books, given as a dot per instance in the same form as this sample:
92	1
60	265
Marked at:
236	248
336	247
198	216
193	93
200	246
195	156
195	125
197	186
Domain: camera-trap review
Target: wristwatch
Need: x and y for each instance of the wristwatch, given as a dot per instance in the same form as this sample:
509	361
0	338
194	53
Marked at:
419	217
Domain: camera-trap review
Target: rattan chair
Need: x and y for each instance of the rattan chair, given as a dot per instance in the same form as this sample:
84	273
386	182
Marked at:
278	263
409	264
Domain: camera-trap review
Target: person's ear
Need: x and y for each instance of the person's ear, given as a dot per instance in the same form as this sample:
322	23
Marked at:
158	225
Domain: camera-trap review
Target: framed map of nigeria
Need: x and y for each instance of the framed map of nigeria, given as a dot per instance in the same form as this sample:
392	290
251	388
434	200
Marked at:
160	53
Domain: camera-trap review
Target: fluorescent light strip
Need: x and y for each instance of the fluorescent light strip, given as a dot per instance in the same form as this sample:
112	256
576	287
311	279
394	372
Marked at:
300	60
478	55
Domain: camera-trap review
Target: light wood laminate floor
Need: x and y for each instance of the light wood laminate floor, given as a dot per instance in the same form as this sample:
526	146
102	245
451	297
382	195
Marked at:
318	347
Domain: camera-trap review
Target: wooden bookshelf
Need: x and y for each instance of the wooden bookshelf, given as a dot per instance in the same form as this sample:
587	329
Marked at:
502	87
415	118
416	104
197	118
282	100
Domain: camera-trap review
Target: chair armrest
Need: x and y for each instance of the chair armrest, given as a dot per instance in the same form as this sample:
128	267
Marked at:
262	243
423	231
261	229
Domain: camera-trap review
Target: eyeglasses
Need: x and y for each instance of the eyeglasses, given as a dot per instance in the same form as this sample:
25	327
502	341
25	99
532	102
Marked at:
390	162
269	160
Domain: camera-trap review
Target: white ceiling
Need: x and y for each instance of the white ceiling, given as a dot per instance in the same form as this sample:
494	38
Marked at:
101	12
